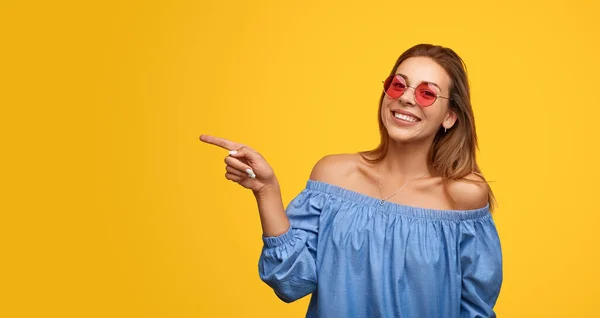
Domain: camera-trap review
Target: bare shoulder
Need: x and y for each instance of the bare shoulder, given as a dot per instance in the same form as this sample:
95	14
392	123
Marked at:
469	194
334	168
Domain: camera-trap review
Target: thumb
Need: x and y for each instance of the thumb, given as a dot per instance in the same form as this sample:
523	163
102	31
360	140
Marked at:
245	152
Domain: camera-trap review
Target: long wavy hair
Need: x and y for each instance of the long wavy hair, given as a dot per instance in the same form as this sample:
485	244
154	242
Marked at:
452	155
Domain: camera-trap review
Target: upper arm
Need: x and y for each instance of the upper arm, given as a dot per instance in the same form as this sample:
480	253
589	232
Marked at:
469	194
481	267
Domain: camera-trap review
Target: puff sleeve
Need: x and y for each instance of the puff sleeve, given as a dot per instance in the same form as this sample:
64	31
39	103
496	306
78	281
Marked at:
481	267
288	262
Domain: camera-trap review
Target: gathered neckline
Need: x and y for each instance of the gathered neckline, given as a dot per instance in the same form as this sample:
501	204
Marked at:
408	210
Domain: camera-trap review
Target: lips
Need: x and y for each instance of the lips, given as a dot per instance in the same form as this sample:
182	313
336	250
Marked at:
405	113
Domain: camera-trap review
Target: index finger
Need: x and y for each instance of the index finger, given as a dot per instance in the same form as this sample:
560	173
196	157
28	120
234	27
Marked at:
221	142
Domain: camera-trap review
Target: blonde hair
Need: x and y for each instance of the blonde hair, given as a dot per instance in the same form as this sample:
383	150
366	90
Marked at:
452	155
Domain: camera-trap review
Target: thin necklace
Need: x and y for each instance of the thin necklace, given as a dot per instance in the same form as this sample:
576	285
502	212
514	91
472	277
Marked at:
384	199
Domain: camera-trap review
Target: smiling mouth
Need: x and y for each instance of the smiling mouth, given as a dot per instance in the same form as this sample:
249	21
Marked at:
406	118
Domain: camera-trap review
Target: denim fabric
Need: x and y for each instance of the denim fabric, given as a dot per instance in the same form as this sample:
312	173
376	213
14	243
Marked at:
362	259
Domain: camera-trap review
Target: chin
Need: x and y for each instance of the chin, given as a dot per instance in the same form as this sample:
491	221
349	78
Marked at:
402	136
411	134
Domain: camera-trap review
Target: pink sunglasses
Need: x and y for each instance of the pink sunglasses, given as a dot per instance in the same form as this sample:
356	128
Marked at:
395	86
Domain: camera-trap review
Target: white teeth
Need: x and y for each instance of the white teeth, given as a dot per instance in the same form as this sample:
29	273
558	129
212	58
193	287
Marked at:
406	117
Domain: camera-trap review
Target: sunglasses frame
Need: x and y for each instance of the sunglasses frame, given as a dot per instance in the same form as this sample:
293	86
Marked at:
414	91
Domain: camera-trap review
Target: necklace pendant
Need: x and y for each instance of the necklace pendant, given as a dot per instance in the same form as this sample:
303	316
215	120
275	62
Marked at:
381	202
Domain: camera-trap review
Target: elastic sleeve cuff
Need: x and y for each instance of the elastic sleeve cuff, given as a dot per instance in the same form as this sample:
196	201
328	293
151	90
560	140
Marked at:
274	241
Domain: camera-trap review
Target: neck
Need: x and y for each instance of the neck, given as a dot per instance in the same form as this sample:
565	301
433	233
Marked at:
405	161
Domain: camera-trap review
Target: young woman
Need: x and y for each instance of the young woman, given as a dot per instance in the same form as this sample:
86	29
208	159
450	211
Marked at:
403	230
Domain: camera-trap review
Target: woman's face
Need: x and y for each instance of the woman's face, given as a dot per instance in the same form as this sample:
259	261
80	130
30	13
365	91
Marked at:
403	118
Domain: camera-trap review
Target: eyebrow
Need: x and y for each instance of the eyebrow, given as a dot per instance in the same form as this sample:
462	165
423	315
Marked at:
432	83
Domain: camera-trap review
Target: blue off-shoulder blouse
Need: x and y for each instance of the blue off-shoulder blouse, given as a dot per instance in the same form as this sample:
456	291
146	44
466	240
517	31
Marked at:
361	258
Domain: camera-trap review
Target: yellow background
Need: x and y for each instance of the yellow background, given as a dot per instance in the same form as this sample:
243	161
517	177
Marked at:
111	207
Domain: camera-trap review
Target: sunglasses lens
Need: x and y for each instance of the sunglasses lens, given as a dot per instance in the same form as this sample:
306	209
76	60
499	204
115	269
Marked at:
425	95
394	86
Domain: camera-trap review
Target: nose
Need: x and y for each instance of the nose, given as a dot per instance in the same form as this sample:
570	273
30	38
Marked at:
408	98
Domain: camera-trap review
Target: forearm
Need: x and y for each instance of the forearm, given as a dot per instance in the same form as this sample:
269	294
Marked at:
272	213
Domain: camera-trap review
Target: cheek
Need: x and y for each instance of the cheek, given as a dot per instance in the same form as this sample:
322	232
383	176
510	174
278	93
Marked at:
433	114
387	104
384	108
384	112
